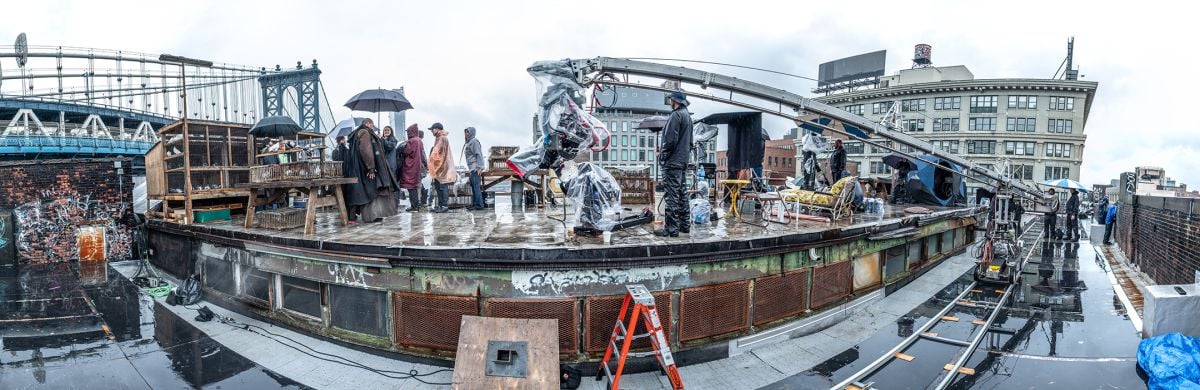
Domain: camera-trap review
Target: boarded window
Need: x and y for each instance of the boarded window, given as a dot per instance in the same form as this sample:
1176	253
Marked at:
256	284
894	262
218	275
301	296
358	310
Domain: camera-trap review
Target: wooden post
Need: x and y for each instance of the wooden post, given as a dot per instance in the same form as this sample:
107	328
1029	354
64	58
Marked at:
310	215
250	205
341	204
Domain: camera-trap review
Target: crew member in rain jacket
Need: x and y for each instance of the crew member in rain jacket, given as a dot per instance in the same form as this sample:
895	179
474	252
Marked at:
473	154
372	195
837	161
412	166
676	149
441	167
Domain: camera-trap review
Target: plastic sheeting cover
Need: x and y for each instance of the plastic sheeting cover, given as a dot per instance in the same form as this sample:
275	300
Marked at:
566	127
595	195
1172	361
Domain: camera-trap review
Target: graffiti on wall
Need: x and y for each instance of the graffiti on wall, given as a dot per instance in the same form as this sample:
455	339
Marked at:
347	274
560	282
53	227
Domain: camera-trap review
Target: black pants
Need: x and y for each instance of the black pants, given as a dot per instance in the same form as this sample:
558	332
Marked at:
676	218
1051	221
1108	228
414	198
1072	228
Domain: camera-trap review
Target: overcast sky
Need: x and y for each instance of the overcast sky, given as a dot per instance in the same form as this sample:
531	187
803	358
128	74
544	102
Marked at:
462	63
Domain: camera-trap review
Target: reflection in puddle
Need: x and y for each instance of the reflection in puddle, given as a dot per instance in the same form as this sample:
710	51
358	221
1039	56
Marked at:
70	325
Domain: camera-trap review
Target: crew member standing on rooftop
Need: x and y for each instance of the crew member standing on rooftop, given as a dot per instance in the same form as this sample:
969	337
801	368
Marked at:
676	149
1073	216
473	153
412	167
441	167
837	161
1050	217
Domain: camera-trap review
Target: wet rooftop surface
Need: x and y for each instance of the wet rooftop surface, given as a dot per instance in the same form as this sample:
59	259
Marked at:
535	227
1068	331
73	326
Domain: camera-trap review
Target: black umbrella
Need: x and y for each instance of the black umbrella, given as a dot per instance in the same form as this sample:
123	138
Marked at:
895	160
653	123
379	100
275	127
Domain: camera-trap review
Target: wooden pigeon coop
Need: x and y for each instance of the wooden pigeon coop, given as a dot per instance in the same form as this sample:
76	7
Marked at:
193	170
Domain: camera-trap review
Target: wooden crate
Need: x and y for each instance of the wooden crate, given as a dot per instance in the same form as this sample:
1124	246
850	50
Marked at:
266	173
281	219
636	189
498	157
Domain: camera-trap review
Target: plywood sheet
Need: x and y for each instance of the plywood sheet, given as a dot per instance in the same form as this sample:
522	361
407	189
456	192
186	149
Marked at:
471	360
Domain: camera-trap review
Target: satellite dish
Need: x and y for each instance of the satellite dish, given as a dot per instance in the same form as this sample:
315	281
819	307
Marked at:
22	49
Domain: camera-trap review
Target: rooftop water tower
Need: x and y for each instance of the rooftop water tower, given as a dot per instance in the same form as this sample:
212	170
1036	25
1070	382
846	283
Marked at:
922	56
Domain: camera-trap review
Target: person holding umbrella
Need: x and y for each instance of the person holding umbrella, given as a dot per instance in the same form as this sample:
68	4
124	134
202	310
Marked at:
412	167
441	167
372	195
340	151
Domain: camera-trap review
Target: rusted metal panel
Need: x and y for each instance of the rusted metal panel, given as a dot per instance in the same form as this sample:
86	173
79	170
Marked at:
565	310
90	242
780	296
600	315
867	271
714	310
429	321
830	283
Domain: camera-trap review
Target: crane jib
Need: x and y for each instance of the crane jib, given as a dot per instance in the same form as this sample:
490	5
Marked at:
588	71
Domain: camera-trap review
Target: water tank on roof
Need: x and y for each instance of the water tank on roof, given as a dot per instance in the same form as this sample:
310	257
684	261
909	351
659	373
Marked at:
922	55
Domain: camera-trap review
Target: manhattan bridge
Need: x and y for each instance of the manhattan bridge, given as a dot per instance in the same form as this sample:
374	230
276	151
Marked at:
68	102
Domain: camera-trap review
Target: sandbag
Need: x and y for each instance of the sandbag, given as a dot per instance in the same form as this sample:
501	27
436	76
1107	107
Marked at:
1171	361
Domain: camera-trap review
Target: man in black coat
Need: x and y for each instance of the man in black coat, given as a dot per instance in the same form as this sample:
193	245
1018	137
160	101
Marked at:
1072	223
837	161
674	155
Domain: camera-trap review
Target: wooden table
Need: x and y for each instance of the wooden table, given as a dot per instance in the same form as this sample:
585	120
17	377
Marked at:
733	187
492	177
308	187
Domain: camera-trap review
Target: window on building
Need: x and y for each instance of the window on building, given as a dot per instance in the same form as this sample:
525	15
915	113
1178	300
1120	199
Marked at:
854	147
981	124
881	107
642	141
626	125
1028	125
301	296
1018	148
1059	126
1058	150
359	310
854	109
913	125
624	155
983	104
256	284
981	147
879	168
912	105
1022	102
947	103
1055	173
1062	103
950	146
1022	172
882	148
641	155
945	124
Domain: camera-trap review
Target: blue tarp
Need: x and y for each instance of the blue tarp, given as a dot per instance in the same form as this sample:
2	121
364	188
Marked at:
1172	361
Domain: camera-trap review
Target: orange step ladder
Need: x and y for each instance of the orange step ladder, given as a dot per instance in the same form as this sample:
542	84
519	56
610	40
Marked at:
643	306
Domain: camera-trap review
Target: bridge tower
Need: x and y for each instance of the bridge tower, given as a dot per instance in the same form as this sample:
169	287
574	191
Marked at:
307	86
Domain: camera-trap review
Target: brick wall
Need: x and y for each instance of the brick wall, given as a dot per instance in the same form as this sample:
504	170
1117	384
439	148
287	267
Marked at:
1162	237
69	209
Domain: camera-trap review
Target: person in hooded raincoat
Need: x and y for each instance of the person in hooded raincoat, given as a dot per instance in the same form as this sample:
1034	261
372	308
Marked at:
473	154
371	196
412	167
674	155
441	167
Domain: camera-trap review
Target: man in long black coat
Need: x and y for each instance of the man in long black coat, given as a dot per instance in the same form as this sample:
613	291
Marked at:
372	195
676	149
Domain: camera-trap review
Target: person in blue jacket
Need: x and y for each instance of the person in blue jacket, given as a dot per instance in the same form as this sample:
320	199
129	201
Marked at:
1109	221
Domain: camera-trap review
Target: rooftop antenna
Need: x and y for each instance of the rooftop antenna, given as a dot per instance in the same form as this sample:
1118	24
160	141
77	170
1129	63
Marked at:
1072	73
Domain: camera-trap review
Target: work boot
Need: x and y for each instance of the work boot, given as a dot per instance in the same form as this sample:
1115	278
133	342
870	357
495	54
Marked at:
665	233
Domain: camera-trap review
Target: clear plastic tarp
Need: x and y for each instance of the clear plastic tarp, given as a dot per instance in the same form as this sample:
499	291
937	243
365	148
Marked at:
595	196
566	127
